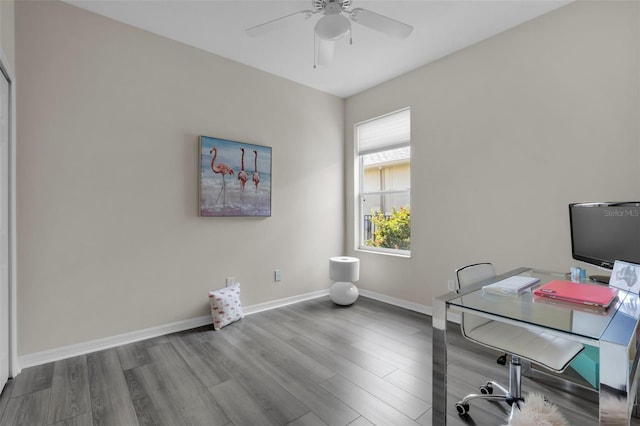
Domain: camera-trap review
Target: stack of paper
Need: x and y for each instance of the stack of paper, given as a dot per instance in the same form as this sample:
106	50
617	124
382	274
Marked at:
511	285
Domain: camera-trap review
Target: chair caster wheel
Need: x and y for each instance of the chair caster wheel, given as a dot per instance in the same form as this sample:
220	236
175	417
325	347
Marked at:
462	408
502	359
486	389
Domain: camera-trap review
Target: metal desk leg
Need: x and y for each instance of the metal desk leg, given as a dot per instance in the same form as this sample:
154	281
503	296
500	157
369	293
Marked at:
616	400
619	365
439	368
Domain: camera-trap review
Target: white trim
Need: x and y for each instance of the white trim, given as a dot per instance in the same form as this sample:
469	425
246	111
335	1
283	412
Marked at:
50	355
83	348
254	309
416	307
14	366
56	354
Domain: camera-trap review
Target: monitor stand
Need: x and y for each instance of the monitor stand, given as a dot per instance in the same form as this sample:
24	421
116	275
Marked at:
604	279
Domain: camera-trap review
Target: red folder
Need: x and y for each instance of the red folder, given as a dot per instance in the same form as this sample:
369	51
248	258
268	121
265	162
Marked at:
585	294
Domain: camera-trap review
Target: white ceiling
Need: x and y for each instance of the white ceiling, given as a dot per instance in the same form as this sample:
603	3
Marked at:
217	26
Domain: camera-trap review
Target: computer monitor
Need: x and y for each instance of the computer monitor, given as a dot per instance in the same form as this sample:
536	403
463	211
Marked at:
604	232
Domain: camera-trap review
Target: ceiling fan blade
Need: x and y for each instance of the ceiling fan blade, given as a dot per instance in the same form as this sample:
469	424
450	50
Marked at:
380	23
325	51
278	23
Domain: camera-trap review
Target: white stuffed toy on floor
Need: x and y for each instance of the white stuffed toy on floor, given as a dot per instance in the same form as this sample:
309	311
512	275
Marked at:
537	411
613	411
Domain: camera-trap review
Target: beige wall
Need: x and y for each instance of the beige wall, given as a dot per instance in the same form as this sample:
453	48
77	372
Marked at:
109	240
505	134
509	131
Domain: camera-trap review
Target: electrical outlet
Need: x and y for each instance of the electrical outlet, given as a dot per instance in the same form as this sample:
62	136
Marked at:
277	275
230	281
451	285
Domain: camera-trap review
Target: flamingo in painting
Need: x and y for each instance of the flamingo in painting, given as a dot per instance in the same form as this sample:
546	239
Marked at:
256	176
220	168
242	175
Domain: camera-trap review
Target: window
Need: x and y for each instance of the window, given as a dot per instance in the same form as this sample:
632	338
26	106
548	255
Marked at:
384	174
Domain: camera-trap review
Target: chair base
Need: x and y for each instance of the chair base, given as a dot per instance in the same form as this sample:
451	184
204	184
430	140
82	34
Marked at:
486	390
511	396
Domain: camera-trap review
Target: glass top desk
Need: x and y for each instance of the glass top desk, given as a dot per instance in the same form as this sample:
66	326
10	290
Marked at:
614	331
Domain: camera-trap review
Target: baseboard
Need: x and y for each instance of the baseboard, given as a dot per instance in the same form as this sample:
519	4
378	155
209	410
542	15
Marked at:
416	307
56	354
254	309
50	355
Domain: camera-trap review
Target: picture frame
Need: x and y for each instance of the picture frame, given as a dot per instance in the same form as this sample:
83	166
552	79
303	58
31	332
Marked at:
234	178
625	276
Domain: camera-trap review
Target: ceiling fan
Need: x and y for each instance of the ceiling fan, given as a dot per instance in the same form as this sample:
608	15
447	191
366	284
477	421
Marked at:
334	25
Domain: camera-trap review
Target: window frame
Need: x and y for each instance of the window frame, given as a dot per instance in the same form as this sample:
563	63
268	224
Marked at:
360	236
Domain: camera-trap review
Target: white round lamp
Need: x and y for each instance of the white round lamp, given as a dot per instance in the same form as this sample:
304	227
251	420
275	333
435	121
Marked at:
344	271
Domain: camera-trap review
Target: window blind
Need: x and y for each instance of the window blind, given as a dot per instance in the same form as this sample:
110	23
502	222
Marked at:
386	132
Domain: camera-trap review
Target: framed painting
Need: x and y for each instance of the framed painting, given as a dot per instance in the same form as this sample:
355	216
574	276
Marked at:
626	276
235	178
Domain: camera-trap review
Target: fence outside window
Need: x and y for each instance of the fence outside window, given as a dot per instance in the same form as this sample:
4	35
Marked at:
369	228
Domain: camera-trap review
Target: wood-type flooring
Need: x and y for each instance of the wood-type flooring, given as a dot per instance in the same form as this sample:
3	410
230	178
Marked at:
308	364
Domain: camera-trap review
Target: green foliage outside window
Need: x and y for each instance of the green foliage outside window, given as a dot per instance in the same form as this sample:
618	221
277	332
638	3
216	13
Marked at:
392	232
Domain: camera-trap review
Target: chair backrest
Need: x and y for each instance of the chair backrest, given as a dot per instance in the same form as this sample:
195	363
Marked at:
475	273
466	276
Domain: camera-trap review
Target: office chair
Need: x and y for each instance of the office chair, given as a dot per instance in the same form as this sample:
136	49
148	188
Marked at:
551	352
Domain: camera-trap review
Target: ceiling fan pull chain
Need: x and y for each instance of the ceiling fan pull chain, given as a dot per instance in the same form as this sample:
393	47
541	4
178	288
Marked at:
314	50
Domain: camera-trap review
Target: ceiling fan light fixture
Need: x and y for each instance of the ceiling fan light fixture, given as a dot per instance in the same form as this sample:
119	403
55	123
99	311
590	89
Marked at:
332	27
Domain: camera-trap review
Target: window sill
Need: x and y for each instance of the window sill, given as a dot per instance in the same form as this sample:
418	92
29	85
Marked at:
387	252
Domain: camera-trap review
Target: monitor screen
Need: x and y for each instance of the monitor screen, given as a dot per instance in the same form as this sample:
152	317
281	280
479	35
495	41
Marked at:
602	233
